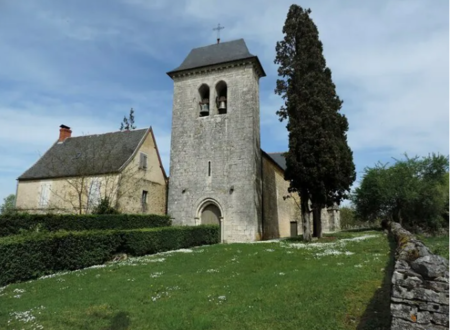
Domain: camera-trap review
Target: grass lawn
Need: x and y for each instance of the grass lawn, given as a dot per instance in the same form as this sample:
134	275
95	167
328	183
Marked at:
341	282
437	244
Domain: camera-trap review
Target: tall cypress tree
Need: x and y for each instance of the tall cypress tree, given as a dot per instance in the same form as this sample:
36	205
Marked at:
319	163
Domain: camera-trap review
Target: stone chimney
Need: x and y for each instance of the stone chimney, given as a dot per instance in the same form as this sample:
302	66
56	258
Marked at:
64	133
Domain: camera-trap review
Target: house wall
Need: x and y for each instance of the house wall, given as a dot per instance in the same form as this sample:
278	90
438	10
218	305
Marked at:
134	181
126	186
278	212
28	194
63	196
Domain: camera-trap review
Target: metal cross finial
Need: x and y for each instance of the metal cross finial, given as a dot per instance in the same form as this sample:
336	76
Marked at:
218	28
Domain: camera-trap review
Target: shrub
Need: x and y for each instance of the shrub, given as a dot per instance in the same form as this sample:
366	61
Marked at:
12	224
148	241
104	207
28	257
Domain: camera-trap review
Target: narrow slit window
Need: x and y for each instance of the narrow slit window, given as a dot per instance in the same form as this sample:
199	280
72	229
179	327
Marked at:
144	200
209	168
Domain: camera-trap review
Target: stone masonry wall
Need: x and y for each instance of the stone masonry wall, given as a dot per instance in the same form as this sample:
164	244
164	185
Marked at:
278	212
228	144
420	283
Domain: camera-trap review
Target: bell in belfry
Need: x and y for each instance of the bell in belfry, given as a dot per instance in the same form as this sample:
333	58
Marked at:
222	104
204	107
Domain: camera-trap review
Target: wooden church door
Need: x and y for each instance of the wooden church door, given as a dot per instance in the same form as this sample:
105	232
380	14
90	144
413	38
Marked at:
211	215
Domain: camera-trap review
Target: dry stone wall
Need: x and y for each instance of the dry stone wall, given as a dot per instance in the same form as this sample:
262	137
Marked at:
420	283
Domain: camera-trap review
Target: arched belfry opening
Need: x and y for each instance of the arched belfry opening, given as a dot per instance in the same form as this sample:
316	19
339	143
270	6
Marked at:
204	100
221	99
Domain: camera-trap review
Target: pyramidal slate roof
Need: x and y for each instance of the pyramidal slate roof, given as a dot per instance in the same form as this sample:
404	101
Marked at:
215	54
87	155
278	158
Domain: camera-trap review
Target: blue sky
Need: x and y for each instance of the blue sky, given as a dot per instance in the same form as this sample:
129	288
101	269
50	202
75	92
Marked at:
85	63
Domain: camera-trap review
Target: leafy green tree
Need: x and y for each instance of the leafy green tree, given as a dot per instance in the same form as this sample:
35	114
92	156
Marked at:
347	215
128	123
9	204
412	191
319	163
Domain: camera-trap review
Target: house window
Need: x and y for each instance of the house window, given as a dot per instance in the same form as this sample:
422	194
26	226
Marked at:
94	194
44	197
143	161
144	200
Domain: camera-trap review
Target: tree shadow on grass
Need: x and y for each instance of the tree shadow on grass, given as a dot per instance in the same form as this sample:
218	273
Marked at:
120	321
377	315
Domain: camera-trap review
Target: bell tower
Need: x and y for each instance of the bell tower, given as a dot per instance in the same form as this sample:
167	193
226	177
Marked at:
215	158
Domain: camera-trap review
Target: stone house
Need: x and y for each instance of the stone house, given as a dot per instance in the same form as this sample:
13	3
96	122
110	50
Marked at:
77	172
218	172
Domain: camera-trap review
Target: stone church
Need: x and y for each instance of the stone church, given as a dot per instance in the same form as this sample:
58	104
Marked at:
218	172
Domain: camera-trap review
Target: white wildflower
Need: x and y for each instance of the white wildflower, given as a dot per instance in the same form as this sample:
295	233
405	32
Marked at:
182	251
277	240
95	266
155	275
358	238
328	252
52	275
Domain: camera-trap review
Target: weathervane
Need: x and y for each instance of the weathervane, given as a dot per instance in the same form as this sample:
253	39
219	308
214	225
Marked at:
218	28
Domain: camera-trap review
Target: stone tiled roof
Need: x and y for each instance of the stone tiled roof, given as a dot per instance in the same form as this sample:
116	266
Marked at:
215	54
278	158
87	155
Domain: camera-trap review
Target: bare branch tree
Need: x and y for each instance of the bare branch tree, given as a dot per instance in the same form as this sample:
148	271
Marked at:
83	173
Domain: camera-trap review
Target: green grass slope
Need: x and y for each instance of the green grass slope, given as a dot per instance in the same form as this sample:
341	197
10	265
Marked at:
341	282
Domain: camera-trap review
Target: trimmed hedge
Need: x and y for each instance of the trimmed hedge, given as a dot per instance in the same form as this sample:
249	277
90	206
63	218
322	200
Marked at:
23	258
149	241
15	223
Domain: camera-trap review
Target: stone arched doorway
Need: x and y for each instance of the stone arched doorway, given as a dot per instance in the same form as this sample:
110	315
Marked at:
211	215
209	212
